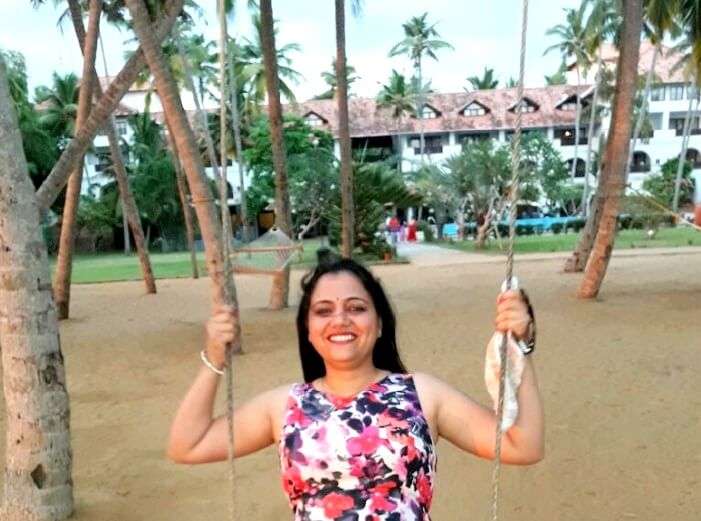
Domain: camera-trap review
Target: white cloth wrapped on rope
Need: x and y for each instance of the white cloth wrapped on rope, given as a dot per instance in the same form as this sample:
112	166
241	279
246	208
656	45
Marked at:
514	372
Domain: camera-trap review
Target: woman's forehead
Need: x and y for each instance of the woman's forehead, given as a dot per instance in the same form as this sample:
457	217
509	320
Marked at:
339	286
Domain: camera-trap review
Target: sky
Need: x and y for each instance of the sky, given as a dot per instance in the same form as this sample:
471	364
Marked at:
483	33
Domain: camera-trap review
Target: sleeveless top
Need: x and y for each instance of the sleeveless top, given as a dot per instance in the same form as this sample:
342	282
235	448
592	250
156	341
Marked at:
365	458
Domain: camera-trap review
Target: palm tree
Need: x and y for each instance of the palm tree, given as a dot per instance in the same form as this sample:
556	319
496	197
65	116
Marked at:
398	96
38	454
64	259
559	78
616	153
330	78
283	216
253	73
420	39
59	106
223	289
54	183
346	170
573	45
129	210
486	82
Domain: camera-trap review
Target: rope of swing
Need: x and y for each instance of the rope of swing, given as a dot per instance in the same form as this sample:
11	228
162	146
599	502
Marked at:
226	252
515	166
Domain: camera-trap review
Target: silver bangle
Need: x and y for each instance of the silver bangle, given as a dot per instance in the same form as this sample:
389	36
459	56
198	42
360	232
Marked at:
210	365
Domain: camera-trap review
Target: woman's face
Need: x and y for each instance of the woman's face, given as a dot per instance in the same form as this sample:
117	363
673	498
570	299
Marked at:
343	323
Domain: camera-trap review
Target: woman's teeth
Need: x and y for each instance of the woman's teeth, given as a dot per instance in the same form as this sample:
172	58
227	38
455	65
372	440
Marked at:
342	338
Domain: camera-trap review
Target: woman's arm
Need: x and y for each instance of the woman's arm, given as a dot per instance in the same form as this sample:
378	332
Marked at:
197	437
471	426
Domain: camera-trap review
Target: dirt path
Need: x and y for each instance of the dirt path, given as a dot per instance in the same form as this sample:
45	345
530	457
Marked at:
620	380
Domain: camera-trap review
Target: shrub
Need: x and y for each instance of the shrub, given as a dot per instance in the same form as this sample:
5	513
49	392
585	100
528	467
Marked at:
577	225
427	230
558	228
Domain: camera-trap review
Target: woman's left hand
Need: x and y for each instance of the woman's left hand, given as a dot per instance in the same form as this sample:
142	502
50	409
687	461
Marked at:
512	314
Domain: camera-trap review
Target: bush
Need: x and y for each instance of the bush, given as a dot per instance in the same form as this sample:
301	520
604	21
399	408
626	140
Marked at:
427	230
524	229
576	225
558	228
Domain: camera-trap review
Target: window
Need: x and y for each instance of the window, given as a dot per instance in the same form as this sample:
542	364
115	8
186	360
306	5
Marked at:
567	136
474	109
428	113
313	120
579	169
432	144
641	163
657	93
693	156
103	159
122	127
474	137
569	106
656	120
524	106
676	92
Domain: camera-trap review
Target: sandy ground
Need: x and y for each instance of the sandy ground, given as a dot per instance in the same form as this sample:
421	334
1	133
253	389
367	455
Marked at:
619	376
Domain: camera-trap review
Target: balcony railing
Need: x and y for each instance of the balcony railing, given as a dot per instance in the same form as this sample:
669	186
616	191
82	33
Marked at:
569	141
639	168
429	149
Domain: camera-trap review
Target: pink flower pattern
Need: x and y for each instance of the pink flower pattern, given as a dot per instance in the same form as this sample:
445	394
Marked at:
369	457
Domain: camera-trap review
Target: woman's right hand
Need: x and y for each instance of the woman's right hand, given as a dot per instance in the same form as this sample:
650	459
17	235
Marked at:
222	330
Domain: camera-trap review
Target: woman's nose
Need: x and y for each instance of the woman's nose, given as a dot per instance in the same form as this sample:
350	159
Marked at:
341	317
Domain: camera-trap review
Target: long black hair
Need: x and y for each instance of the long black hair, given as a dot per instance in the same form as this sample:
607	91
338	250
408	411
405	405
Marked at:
385	354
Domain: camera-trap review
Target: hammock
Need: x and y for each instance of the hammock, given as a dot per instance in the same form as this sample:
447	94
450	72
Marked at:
268	254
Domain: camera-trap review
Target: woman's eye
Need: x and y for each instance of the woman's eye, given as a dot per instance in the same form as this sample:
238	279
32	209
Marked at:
358	309
322	312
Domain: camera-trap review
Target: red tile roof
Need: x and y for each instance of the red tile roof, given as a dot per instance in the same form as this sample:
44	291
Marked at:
367	119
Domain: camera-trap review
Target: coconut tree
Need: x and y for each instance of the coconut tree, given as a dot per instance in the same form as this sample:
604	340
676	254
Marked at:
617	147
38	456
283	216
223	289
59	106
486	82
398	96
573	45
346	170
329	78
420	39
120	84
253	61
129	209
64	260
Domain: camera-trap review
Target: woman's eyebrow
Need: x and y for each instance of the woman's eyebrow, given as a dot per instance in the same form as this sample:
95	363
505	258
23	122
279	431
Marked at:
331	301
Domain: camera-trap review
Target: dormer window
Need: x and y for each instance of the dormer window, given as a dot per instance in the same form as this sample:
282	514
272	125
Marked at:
474	109
568	104
428	112
314	120
524	106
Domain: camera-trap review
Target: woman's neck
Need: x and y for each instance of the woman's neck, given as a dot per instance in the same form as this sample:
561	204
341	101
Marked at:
350	382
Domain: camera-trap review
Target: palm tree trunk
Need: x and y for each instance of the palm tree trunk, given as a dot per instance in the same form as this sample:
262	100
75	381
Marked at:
347	217
201	113
38	455
643	109
577	117
283	217
617	148
64	260
682	154
223	288
72	154
185	205
419	113
125	229
240	160
223	183
590	134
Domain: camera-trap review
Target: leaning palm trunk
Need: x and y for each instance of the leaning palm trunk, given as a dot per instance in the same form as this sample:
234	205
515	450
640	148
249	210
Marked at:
223	288
617	147
38	456
590	134
185	205
130	211
346	171
682	154
577	117
283	219
223	184
481	238
240	160
72	154
643	110
64	260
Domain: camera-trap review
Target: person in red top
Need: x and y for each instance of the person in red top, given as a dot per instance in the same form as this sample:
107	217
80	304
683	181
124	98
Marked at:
394	227
411	231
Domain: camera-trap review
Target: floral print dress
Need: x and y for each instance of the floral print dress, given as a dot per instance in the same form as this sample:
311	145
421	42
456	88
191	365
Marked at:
365	458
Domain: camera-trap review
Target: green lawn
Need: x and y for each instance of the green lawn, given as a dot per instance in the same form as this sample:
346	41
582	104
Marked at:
112	267
665	238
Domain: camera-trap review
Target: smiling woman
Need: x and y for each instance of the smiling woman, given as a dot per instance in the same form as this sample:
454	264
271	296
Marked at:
358	438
